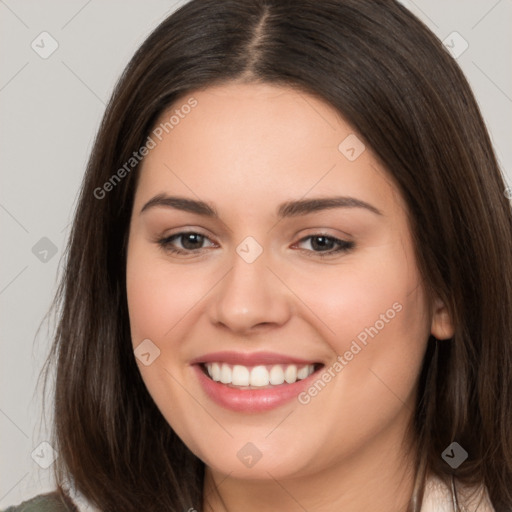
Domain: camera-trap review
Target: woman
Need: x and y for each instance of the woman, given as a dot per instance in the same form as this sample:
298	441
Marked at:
288	283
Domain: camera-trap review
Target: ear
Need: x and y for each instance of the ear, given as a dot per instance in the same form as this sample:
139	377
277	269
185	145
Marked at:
442	323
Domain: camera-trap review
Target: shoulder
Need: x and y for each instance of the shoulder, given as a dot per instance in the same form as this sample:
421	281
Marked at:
439	498
51	502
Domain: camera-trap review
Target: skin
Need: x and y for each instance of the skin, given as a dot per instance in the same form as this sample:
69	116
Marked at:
247	148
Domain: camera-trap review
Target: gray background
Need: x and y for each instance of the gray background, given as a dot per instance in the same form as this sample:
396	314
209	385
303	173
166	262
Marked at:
51	109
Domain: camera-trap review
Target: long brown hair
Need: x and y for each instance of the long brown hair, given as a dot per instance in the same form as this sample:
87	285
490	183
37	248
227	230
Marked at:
392	80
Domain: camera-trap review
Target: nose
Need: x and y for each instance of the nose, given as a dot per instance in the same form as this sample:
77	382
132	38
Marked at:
250	298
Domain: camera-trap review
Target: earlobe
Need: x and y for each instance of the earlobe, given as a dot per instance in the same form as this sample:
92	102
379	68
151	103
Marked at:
442	326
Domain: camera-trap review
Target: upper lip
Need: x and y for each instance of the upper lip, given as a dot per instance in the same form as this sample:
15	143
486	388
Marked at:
250	358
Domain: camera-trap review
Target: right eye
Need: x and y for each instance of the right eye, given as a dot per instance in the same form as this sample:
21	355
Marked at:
190	241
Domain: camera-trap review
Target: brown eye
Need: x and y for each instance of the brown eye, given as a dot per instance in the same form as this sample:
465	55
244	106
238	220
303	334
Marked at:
185	242
326	245
191	241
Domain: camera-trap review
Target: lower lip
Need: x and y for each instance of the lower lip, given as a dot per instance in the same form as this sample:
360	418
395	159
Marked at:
251	400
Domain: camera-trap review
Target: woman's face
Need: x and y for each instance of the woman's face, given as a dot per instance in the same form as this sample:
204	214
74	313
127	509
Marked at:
295	256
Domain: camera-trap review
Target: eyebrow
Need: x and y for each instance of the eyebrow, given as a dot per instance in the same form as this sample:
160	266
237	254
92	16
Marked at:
287	209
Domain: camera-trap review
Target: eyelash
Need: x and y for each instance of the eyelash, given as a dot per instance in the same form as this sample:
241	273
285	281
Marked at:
344	246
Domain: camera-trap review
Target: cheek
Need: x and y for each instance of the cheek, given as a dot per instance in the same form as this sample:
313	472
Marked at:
377	287
159	295
372	313
159	302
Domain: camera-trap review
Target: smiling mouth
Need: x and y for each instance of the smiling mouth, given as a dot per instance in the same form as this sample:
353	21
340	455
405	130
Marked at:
260	376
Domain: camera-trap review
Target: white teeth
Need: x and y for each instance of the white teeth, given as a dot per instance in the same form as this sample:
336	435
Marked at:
290	375
276	375
303	373
240	376
215	369
225	374
258	376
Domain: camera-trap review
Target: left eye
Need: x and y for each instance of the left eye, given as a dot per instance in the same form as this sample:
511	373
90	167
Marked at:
324	244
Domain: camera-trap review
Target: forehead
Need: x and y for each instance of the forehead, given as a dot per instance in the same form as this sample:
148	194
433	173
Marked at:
259	141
